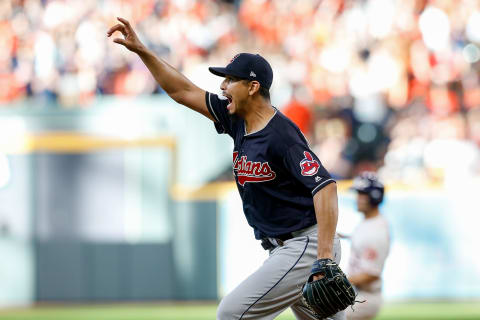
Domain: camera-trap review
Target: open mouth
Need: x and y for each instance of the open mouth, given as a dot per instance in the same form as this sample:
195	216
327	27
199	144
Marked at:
230	100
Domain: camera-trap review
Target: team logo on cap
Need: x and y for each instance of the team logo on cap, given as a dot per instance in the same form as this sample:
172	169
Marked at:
249	171
309	165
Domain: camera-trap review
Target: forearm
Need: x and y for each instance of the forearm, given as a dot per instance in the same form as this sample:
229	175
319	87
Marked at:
326	211
170	79
362	279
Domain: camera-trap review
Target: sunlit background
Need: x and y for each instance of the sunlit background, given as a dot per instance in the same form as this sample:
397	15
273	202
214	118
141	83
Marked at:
110	192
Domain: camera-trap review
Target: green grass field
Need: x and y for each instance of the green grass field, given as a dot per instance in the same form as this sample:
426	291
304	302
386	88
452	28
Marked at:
401	311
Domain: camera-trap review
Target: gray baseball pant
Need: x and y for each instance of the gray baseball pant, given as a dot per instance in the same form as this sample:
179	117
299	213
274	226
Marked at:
277	284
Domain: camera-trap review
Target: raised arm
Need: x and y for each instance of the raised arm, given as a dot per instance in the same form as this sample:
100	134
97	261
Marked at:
175	84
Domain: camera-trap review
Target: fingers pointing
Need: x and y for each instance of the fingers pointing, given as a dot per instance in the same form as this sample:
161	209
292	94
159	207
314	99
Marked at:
120	41
124	27
125	22
130	40
117	27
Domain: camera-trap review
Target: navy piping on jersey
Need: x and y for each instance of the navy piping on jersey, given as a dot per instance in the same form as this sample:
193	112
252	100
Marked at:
303	252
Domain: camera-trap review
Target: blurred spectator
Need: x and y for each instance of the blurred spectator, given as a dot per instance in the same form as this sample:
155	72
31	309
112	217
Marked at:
380	80
298	109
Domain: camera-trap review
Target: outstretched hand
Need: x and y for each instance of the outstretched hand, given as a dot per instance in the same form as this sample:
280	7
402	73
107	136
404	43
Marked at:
130	39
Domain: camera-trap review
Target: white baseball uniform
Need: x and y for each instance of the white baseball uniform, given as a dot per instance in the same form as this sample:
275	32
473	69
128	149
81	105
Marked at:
369	250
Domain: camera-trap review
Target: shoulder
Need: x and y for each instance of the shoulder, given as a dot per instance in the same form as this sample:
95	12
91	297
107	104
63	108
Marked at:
217	106
381	222
214	102
377	229
384	225
287	131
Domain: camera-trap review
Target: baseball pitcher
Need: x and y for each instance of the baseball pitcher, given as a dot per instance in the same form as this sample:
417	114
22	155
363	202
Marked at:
288	197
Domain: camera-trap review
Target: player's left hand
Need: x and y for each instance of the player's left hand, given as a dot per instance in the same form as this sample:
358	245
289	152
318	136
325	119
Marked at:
318	276
329	294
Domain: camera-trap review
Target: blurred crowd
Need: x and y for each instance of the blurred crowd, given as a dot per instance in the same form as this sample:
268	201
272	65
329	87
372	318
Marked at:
385	85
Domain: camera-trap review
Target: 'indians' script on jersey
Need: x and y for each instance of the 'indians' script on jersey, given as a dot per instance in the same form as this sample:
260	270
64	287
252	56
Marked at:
249	171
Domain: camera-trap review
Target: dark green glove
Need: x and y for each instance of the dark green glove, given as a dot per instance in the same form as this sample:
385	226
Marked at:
329	295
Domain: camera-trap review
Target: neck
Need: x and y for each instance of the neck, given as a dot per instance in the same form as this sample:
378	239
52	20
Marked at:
372	213
258	115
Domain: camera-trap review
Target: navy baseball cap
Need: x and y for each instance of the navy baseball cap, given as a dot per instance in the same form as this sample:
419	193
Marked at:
247	66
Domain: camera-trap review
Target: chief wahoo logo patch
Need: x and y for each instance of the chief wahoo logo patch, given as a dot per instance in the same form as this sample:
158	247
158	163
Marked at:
309	165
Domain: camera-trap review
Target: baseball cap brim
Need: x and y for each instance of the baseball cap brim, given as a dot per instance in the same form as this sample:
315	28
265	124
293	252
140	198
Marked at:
218	71
222	72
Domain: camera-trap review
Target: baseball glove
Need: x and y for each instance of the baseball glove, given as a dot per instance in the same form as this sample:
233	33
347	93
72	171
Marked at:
329	295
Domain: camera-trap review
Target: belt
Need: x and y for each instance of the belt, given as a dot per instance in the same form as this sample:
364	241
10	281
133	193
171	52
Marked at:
268	243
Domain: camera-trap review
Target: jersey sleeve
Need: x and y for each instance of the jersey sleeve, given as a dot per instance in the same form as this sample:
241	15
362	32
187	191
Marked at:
218	109
305	166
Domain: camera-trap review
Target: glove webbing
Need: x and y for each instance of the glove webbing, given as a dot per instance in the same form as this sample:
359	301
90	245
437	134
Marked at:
332	283
326	267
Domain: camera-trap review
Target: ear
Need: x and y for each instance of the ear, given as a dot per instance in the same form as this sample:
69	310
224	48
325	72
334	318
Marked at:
253	87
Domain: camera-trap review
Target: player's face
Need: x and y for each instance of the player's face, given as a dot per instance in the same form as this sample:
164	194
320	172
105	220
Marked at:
236	91
363	203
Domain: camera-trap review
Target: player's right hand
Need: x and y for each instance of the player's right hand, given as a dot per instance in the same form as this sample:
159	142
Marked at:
130	39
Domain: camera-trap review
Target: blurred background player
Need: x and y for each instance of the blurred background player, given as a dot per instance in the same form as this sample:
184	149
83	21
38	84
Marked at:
369	248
